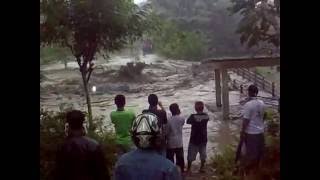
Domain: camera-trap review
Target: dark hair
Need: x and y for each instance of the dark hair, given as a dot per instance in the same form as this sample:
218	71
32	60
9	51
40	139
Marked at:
198	106
174	109
153	99
120	100
253	90
75	119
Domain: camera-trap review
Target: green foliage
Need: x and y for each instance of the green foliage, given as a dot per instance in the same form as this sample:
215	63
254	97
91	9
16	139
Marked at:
54	54
260	21
209	17
224	164
52	134
87	27
173	43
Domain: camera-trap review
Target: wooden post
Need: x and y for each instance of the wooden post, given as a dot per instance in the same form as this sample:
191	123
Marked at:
217	80
225	95
255	78
273	87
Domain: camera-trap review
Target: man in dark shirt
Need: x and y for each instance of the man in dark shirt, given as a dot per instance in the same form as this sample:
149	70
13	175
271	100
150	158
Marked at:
162	119
80	157
198	138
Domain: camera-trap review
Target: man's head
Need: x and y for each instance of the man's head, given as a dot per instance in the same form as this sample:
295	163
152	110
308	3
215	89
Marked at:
120	100
253	91
174	109
75	119
145	131
153	100
198	106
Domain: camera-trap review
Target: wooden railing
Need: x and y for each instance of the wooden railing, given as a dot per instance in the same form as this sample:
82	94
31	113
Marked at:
258	80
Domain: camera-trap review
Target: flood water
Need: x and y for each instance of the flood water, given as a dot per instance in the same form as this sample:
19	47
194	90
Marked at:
171	80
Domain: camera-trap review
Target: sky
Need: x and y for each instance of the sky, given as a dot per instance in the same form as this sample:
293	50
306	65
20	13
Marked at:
138	1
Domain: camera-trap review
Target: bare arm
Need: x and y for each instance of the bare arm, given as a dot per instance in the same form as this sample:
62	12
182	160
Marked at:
161	106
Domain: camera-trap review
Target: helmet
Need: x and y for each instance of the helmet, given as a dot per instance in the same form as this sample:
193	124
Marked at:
145	131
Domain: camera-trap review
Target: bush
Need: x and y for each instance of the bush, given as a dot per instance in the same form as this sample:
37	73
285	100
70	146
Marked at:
224	164
52	134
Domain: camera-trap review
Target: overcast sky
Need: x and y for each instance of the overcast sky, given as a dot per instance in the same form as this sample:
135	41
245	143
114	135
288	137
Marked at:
138	1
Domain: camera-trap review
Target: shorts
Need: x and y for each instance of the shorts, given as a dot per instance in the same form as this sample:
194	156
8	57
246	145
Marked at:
193	150
254	145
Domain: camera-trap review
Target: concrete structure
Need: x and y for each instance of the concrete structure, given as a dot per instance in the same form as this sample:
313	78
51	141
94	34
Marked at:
221	66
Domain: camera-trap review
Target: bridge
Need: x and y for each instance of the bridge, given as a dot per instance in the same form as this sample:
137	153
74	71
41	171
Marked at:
221	66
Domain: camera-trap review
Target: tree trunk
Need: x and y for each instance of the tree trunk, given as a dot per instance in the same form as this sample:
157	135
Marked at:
65	64
86	91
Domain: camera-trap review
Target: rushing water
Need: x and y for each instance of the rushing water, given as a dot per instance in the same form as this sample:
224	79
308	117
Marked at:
172	82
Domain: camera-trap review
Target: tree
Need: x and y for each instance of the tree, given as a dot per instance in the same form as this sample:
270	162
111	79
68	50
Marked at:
209	17
260	21
54	54
88	27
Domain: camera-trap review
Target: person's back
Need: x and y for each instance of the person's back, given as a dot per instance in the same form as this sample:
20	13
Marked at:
122	120
145	165
198	138
254	111
174	135
161	114
80	157
162	120
198	123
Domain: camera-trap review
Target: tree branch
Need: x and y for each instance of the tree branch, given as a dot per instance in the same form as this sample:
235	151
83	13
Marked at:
90	71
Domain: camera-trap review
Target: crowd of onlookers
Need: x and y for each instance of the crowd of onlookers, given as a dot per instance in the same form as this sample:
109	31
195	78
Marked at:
149	143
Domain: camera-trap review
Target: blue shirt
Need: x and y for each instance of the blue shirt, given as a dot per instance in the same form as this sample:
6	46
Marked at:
145	165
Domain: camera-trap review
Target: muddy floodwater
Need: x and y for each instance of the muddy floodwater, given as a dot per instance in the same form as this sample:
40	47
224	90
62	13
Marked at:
181	82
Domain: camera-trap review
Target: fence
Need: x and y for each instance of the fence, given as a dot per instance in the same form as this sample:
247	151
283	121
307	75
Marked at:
258	80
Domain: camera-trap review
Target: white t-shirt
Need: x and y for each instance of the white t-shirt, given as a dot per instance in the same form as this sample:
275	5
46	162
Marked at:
174	131
254	111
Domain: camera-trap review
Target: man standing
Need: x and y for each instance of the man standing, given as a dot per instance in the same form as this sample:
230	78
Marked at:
80	157
122	120
174	136
198	137
144	162
162	120
252	133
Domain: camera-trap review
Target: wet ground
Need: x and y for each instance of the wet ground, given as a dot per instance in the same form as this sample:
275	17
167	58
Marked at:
173	82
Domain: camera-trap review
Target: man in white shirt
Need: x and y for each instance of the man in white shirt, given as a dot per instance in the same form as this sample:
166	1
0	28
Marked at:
252	132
